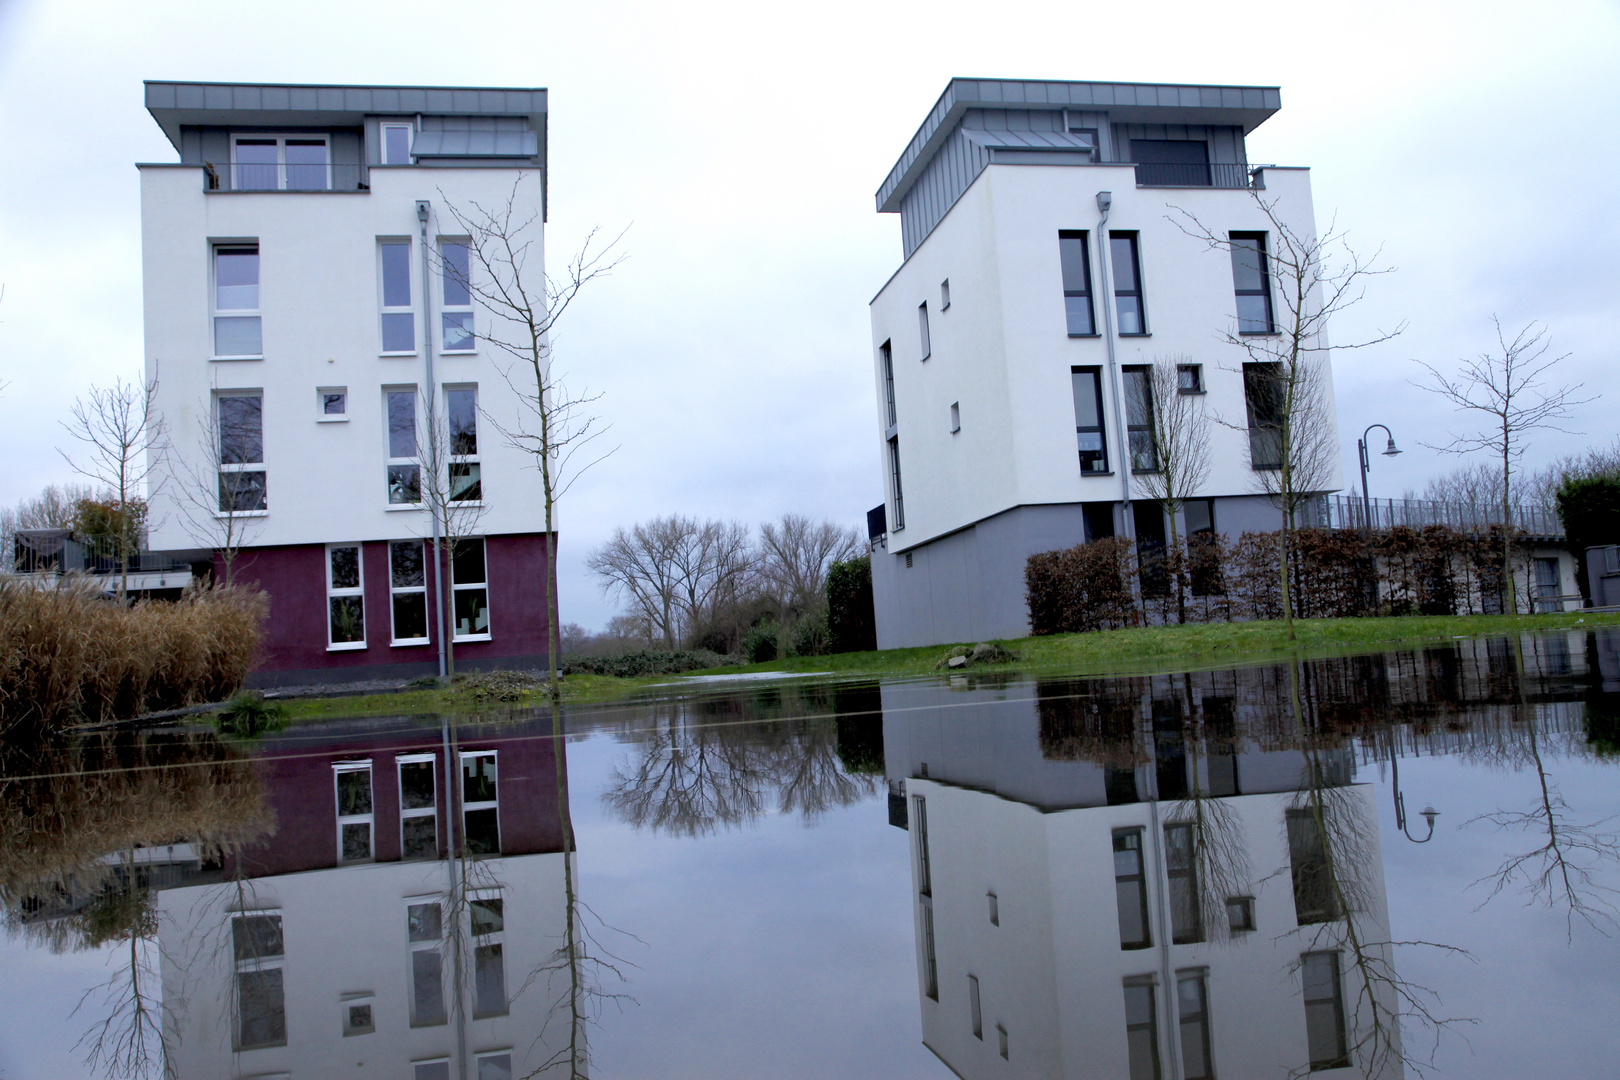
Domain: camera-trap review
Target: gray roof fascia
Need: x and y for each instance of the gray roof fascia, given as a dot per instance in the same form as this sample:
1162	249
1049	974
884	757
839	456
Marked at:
268	105
1153	103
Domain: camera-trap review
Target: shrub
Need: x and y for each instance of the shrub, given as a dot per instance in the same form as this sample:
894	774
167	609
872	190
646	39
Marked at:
633	664
1086	587
248	714
810	636
851	623
759	644
1590	508
488	686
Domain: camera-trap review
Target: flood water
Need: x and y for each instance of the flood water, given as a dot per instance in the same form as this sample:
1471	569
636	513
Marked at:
1221	873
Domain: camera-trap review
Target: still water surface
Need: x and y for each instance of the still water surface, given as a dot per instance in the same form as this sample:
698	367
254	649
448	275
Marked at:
1186	875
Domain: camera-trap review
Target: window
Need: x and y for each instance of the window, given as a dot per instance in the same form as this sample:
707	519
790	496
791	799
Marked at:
398	314
1130	890
1315	898
355	817
261	1004
922	330
457	314
495	1066
1171	162
887	355
1141	1028
1186	917
925	873
1139	419
1263	398
489	965
1240	913
945	294
1088	419
480	808
424	927
407	583
1203	548
930	959
1074	257
418	806
396	144
236	301
1128	307
466	480
345	598
894	476
956	417
404	470
281	163
1190	378
1001	1037
975	1014
1192	1009
1324	1011
1251	280
995	909
1547	590
358	1018
431	1070
332	403
469	587
240	417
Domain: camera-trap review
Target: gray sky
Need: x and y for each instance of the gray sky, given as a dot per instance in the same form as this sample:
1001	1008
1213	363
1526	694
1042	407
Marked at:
1475	143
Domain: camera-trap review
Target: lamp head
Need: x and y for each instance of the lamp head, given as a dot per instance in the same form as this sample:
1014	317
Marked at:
1391	450
1429	814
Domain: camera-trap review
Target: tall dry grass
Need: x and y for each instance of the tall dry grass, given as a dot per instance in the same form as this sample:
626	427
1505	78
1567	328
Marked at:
68	654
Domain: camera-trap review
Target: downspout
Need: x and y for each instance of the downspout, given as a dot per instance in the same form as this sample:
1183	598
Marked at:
1172	1027
1105	199
422	209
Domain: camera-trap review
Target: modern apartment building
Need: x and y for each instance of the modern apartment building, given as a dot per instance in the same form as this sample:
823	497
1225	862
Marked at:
1008	343
321	370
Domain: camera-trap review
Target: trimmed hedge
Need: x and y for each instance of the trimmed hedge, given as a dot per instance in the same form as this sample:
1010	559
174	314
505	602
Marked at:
633	664
851	623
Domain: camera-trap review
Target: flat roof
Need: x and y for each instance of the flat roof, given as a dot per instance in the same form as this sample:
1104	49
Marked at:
1140	103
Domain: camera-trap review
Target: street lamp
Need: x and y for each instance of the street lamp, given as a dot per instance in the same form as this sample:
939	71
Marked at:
1361	452
1428	813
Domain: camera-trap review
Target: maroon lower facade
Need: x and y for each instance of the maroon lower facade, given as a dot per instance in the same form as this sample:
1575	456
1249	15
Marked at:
303	642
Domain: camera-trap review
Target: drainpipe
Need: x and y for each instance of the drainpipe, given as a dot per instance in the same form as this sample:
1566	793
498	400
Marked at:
422	209
1105	199
1172	1004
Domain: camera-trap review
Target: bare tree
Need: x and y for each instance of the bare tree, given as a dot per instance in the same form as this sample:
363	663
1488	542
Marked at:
219	501
556	425
1508	393
123	438
1286	378
674	571
1179	426
794	556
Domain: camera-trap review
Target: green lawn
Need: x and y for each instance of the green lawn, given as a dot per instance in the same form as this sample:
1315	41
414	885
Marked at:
1137	649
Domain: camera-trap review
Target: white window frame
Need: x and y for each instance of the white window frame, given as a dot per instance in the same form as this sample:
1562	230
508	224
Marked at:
256	964
401	462
413	947
494	937
384	309
333	592
281	158
369	820
447	309
324	417
395	590
488	804
382	141
478	1059
487	633
474	459
352	1001
240	466
417	1064
400	761
215	312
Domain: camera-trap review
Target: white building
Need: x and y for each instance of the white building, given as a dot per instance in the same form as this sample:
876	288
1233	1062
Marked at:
309	325
997	347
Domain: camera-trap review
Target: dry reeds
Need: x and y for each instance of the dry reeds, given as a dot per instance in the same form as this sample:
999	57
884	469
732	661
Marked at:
68	653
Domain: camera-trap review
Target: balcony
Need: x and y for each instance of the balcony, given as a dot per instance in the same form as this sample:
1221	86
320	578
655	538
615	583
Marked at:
1191	174
55	553
282	177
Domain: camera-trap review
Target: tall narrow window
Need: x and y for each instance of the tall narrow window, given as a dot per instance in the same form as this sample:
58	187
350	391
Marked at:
261	1003
975	1012
1088	419
930	959
922	330
424	925
240	418
236	301
945	294
1264	399
466	476
1139	419
1324	1011
1203	550
396	144
404	470
887	355
925	871
1315	897
1074	257
1186	918
1130	889
469	582
418	806
995	909
398	314
489	963
455	268
407	582
1128	307
1141	1029
1251	280
894	477
480	804
355	816
1192	1010
345	598
1001	1038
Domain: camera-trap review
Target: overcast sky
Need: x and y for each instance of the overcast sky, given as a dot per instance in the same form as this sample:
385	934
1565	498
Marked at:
1475	143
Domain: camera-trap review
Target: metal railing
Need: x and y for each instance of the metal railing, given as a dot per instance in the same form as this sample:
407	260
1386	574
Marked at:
53	551
1347	512
222	176
1191	174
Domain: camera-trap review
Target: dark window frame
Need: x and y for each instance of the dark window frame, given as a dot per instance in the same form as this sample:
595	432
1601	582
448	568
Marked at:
1235	243
1139	417
1340	1059
1077	290
1131	238
1100	429
1139	881
924	335
899	494
1181	866
1197	373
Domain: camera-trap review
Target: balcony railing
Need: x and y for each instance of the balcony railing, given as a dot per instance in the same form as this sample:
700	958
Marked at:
220	176
1191	174
1347	512
58	551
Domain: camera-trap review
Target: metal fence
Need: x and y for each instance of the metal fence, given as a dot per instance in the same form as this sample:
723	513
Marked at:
1348	512
225	176
1191	174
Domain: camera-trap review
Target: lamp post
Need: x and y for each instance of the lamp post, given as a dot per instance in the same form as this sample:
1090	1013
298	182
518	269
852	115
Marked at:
1361	453
1428	813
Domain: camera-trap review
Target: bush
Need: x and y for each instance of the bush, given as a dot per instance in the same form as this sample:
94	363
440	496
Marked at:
810	636
851	623
248	714
1086	587
633	664
759	644
489	686
1590	509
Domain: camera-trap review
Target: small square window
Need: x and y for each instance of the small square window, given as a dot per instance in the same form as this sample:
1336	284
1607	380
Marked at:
1240	913
333	402
1190	378
357	1019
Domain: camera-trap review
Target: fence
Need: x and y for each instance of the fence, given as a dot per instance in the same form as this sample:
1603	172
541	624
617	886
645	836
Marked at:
1348	512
